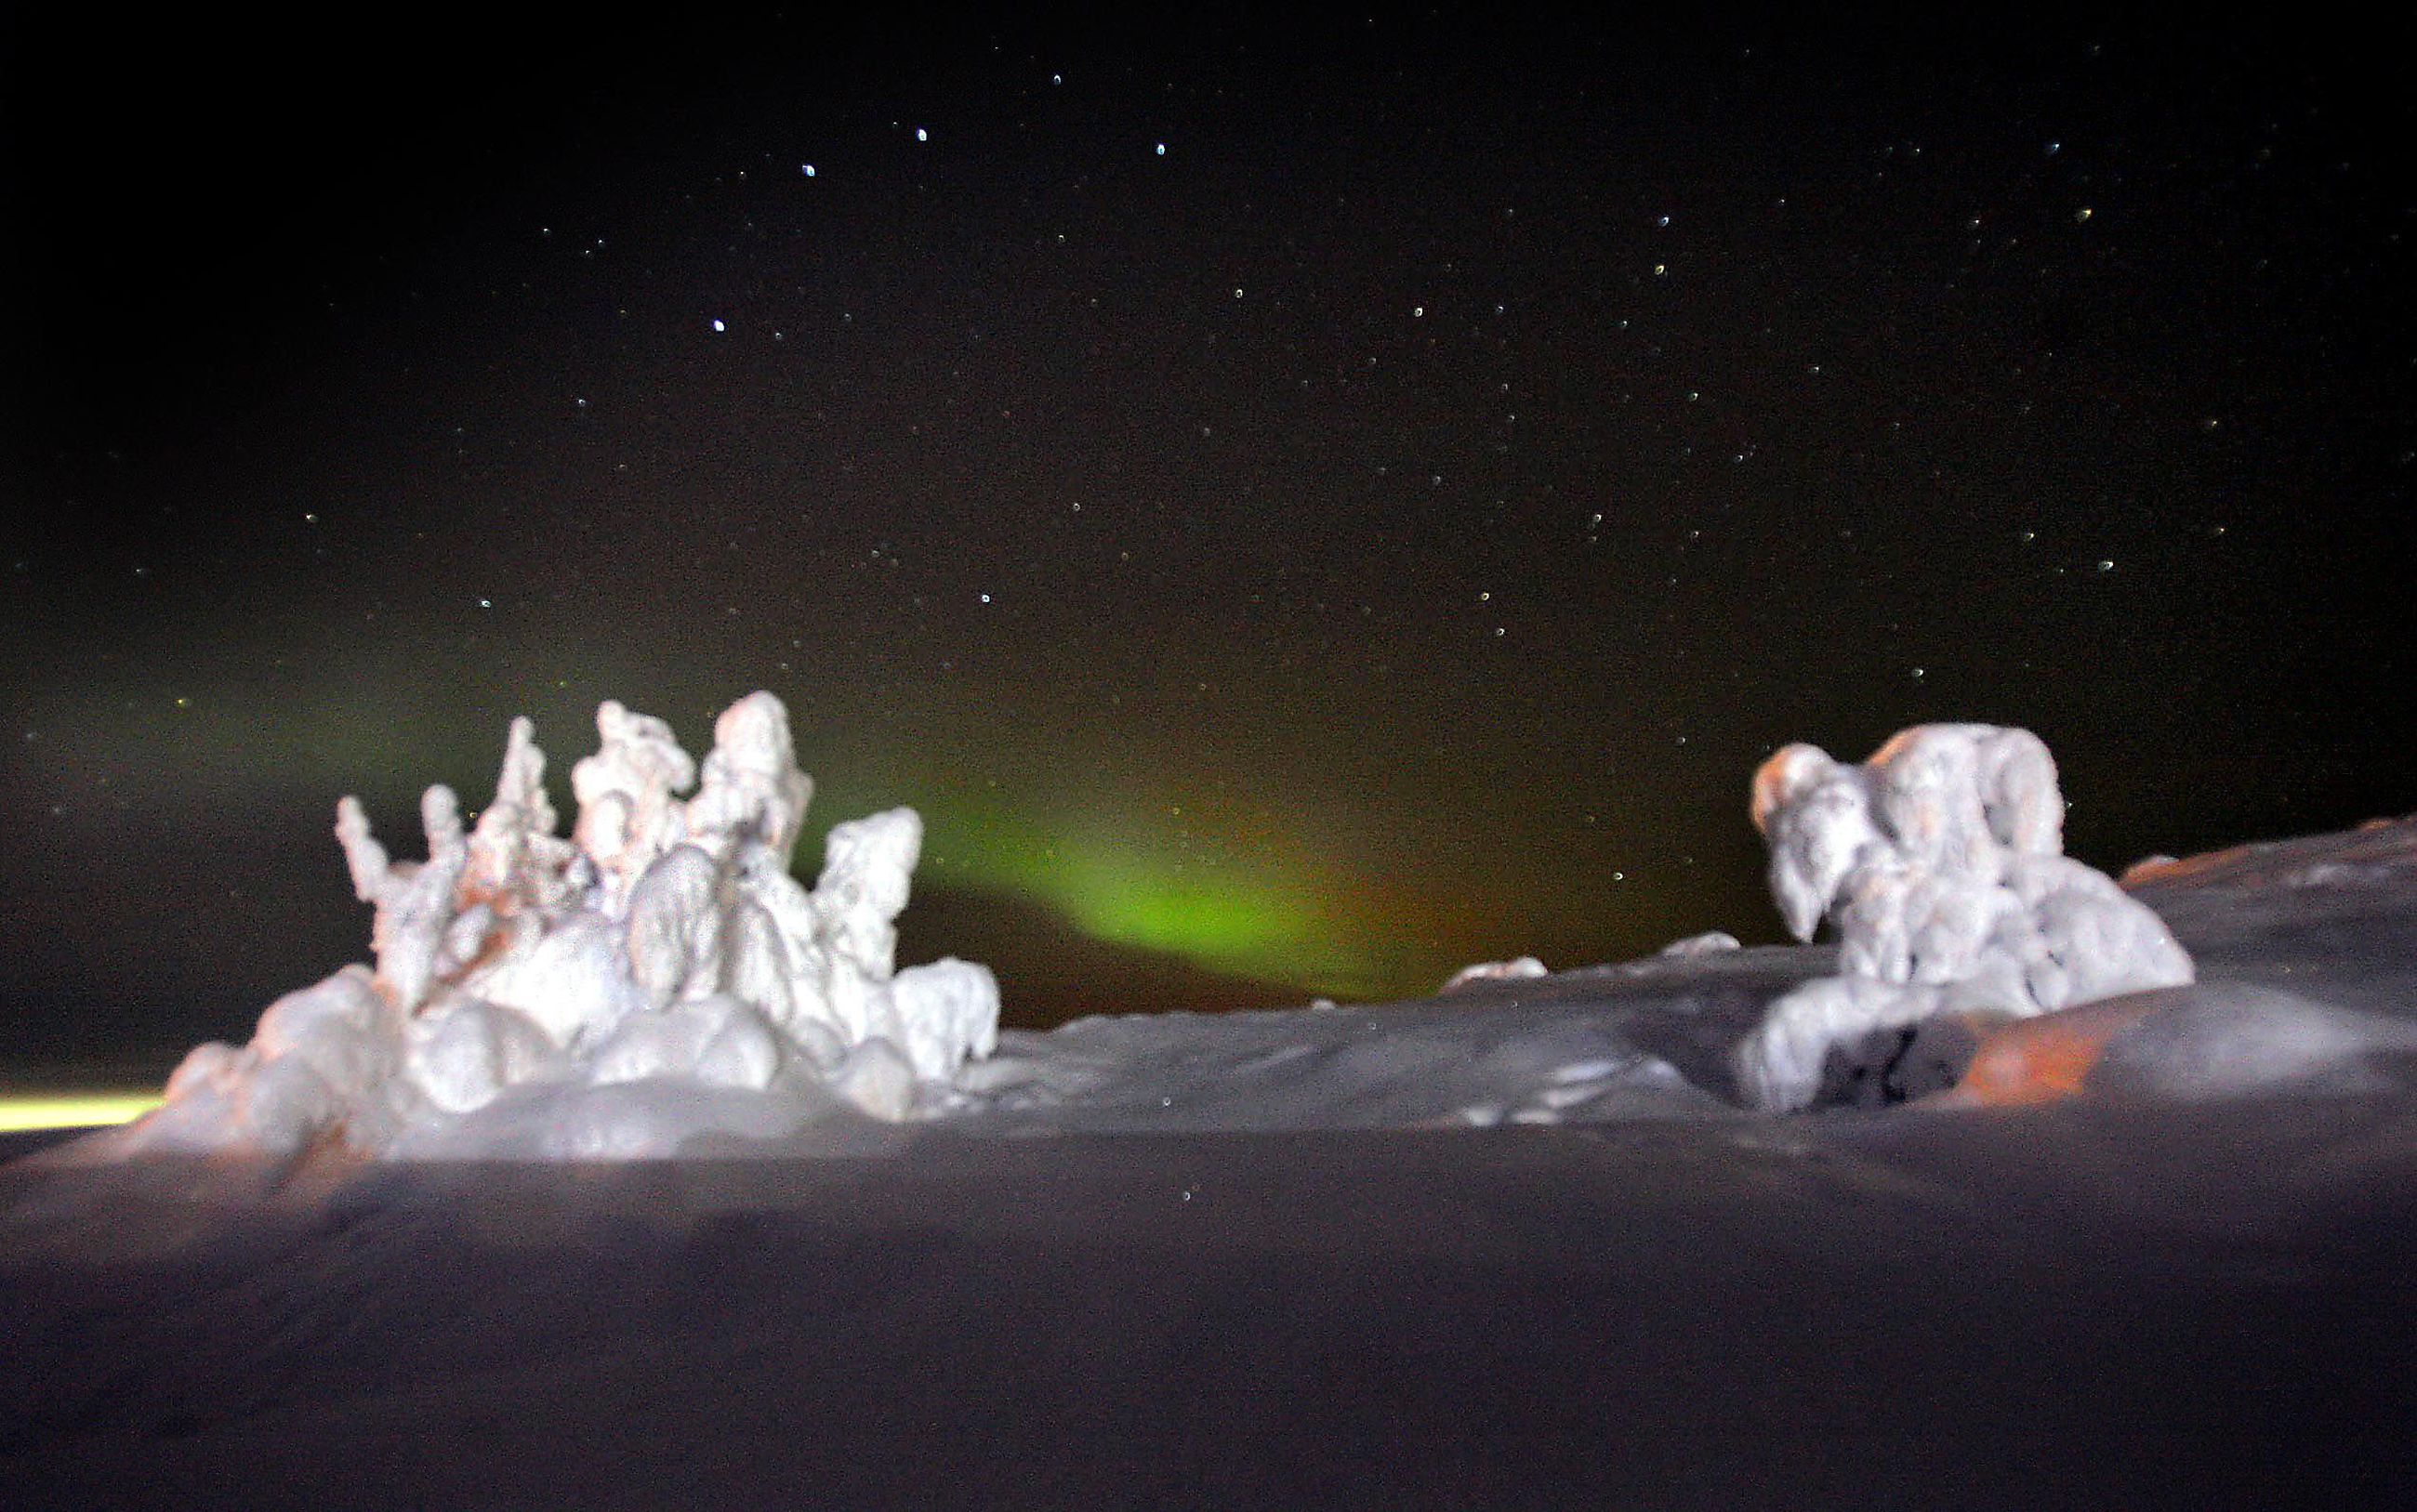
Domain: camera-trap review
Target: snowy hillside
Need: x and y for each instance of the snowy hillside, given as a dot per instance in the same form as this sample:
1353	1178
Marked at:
1522	1243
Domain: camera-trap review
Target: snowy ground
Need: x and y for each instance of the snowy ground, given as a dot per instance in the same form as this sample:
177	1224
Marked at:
1513	1246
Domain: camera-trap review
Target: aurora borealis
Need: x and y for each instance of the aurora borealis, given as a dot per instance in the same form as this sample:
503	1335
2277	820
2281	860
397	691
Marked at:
1298	503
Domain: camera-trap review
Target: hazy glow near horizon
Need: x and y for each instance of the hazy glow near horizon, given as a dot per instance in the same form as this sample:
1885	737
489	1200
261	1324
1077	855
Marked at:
73	1109
1227	895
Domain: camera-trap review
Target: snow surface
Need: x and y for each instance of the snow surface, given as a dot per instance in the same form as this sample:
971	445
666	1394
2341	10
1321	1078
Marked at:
1528	1244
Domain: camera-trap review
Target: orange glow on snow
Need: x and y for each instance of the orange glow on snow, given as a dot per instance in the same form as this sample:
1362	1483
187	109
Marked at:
2043	1059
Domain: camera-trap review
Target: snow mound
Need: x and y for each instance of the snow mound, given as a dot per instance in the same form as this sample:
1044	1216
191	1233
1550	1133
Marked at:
2236	1039
1482	972
1940	861
656	976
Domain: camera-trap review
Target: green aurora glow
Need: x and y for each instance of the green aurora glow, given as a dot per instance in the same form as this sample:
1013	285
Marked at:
1149	863
1251	911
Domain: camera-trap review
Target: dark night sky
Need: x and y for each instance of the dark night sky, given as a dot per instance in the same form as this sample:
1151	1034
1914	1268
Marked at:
1380	531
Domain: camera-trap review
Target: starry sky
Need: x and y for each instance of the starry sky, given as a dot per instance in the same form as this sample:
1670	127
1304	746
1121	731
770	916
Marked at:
1301	500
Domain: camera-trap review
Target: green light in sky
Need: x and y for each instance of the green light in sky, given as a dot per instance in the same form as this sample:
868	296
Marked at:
1253	912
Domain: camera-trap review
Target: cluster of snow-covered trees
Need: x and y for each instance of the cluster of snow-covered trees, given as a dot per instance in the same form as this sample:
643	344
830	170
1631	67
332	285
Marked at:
662	941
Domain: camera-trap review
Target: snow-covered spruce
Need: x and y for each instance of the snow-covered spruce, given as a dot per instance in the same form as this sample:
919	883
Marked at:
1940	863
656	975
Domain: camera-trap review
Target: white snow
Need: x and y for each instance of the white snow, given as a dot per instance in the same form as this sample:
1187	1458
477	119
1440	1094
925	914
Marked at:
2151	1249
1711	942
657	975
1495	971
658	979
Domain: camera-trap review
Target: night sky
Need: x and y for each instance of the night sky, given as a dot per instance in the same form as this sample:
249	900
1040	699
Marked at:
1300	502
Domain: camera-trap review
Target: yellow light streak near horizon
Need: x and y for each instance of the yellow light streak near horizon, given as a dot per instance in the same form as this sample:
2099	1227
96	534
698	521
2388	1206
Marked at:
25	1113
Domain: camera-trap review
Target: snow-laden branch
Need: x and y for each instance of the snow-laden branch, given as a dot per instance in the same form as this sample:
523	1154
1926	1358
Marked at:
663	947
1939	862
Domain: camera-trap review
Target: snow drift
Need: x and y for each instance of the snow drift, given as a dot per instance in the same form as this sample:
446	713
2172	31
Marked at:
656	975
